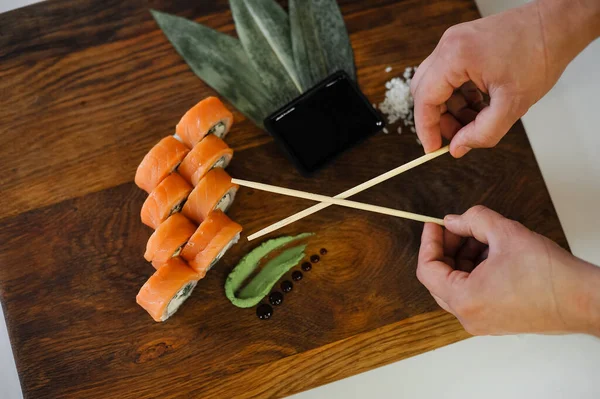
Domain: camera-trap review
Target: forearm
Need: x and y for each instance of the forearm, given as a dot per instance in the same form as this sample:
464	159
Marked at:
568	26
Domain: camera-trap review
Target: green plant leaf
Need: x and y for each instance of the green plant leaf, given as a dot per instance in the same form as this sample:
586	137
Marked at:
308	57
320	41
264	31
221	62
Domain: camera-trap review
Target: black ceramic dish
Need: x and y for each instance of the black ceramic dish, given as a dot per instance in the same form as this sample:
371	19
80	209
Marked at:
319	125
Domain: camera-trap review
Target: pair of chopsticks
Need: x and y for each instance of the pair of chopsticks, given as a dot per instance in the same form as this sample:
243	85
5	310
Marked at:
340	198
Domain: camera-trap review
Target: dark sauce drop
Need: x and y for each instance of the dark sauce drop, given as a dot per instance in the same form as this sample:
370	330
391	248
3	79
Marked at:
287	286
315	258
264	311
276	298
297	275
323	251
306	266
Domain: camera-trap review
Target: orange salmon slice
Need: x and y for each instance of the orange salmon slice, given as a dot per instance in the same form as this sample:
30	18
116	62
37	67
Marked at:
159	162
167	289
168	239
167	198
209	116
212	152
211	241
214	191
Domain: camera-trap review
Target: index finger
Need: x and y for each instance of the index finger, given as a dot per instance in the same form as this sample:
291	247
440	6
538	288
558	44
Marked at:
434	87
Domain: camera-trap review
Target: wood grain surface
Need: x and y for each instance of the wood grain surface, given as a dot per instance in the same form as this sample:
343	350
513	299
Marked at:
88	87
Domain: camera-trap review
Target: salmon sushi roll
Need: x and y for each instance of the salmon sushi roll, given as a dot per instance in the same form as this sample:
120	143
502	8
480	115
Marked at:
168	239
209	116
167	289
214	191
210	242
159	162
157	265
210	153
166	199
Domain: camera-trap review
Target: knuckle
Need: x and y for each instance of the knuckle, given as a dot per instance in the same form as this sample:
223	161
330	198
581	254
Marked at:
511	105
486	139
423	277
430	247
468	309
491	138
420	275
456	41
475	212
477	209
511	229
413	87
422	272
473	328
453	34
516	108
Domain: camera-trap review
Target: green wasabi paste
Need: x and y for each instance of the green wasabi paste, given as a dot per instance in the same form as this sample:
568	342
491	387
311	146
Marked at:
256	289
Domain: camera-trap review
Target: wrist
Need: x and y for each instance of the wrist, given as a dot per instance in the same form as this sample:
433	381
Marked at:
568	26
584	298
590	13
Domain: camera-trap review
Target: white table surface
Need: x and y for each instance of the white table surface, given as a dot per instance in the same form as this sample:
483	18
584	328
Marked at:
564	131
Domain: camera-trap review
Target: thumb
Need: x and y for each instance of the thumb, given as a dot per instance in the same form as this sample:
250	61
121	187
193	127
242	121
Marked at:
479	222
490	125
432	270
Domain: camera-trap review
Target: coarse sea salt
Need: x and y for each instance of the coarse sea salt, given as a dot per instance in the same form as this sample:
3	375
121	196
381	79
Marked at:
388	69
398	102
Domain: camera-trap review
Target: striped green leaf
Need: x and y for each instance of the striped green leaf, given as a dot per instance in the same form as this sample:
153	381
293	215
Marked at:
264	31
320	41
221	62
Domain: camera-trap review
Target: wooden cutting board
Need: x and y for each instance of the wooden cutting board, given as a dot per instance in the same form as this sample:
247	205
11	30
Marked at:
88	87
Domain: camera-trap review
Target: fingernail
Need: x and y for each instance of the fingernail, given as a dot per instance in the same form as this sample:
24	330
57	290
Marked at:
462	151
450	218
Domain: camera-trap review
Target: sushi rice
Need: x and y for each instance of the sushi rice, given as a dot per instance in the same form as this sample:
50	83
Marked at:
182	295
227	200
219	129
222	162
227	247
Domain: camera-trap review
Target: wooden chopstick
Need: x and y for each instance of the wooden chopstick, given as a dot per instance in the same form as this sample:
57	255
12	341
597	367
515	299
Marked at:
355	190
335	201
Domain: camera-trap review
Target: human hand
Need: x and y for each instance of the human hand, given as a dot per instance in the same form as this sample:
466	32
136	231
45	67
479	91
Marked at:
515	57
497	277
